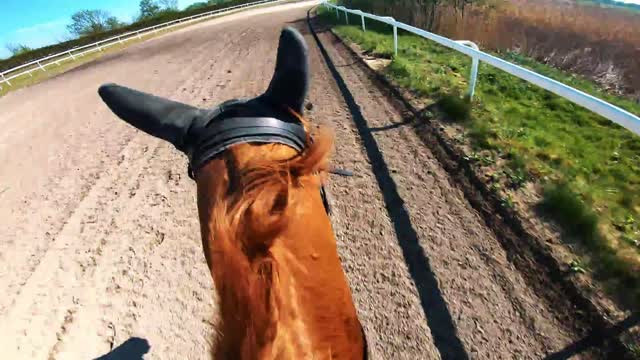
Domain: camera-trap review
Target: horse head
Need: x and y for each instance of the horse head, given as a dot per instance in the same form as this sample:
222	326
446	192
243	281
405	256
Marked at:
266	235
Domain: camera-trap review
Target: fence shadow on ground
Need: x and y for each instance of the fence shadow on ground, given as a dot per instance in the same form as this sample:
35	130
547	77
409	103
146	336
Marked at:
595	339
438	316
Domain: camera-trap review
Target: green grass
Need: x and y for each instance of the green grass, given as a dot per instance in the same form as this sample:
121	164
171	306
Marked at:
541	137
456	106
566	207
37	75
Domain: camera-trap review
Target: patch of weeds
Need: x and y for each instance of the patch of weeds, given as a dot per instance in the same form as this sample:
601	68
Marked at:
579	221
456	108
577	267
517	162
481	135
627	224
382	51
517	178
571	213
473	157
494	177
482	159
511	133
461	138
631	239
495	187
507	202
634	349
400	67
487	160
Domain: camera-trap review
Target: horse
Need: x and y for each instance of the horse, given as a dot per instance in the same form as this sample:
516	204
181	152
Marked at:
259	168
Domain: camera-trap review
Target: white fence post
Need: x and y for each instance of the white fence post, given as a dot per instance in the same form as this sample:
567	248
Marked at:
473	78
346	17
70	54
41	68
363	27
393	23
395	39
5	80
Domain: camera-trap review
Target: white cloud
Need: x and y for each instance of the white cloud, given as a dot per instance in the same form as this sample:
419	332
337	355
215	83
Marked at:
39	29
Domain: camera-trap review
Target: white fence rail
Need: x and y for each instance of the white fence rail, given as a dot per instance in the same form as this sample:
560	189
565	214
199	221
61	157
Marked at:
41	64
609	111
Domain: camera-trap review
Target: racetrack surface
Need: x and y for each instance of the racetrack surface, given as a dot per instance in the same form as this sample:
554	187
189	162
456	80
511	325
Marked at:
99	239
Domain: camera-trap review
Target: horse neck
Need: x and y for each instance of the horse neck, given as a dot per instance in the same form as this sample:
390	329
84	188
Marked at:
293	300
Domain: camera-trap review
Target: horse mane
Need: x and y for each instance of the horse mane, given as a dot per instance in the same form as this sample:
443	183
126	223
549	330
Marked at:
251	210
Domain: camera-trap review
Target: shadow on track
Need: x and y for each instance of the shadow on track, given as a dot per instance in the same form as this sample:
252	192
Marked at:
433	304
595	339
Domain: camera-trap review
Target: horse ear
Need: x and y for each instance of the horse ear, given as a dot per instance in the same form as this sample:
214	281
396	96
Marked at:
162	118
290	81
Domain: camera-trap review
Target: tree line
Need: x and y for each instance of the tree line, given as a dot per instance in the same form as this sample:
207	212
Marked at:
88	23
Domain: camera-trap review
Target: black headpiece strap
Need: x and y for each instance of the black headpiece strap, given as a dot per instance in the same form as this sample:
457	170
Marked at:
221	135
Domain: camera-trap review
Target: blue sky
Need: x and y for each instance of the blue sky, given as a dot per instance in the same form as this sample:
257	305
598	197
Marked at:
36	23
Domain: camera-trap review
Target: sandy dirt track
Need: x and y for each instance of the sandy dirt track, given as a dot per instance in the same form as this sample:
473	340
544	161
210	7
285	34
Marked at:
99	240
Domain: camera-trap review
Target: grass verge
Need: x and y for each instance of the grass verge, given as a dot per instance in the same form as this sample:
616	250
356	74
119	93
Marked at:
37	75
587	169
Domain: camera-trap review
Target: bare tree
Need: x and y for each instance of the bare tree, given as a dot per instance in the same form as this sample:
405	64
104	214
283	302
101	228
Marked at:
168	4
91	22
148	9
113	23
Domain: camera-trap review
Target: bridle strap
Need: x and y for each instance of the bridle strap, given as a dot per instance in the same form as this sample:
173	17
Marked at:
220	135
